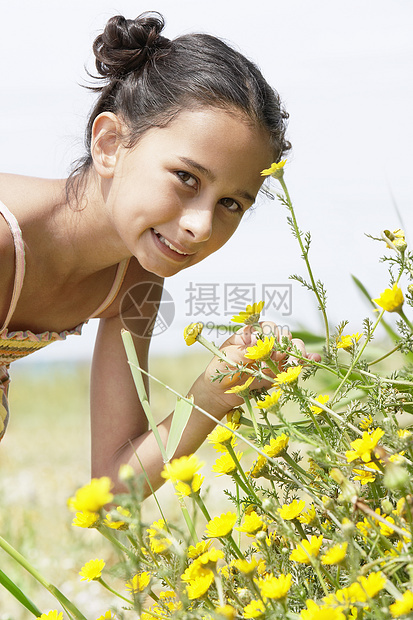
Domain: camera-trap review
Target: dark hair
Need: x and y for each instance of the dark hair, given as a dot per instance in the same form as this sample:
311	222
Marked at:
148	79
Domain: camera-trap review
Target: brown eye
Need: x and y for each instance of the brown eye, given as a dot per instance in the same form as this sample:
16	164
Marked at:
230	204
187	178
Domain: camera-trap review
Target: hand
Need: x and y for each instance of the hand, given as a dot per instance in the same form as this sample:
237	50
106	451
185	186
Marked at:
235	348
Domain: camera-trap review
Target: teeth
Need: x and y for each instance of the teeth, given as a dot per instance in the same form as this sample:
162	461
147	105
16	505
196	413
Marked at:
168	244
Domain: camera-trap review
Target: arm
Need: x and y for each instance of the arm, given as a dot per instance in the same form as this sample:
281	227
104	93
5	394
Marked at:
118	422
119	425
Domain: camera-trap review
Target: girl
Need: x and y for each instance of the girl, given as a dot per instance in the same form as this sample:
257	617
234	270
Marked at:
175	145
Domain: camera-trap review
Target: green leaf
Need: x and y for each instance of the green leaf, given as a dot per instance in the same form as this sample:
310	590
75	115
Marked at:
140	387
18	594
179	421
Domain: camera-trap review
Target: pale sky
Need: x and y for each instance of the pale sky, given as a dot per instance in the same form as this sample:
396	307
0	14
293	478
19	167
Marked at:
344	72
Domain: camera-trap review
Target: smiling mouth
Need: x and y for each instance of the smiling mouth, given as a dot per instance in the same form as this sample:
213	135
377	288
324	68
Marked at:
168	243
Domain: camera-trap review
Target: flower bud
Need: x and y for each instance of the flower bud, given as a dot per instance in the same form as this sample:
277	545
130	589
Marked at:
396	477
267	504
347	527
386	506
126	473
261	536
400	245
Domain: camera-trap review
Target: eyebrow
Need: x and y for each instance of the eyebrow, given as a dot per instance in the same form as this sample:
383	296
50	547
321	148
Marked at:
211	177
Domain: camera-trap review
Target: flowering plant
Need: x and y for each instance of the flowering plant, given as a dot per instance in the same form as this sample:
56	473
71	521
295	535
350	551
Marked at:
320	523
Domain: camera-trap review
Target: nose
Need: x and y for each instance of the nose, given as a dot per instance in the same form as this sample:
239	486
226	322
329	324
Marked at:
197	222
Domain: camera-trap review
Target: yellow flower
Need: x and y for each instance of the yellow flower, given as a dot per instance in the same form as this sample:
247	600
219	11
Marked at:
275	587
403	605
107	616
92	570
116	524
363	447
252	524
403	433
322	399
158	541
396	238
184	489
307	549
366	423
191	332
210	557
199	549
246	567
372	584
290	376
292	510
93	496
262	350
199	586
251	314
255	609
316	612
347	342
52	615
226	611
270	402
365	476
183	469
391	299
85	519
335	554
276	446
138	582
259	468
221	526
239	389
309	516
225	464
222	435
276	170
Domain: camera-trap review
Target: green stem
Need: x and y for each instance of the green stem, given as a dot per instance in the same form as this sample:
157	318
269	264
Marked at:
287	458
35	573
405	319
105	585
115	542
252	414
307	262
242	473
383	357
202	506
188	521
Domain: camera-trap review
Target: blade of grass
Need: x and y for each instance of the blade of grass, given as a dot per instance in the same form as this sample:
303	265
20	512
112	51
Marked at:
140	388
19	595
179	421
65	603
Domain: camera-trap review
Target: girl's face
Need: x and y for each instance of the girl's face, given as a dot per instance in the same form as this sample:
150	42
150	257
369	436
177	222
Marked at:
180	193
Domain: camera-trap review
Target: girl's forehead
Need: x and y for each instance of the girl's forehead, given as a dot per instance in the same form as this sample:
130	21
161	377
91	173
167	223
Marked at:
212	131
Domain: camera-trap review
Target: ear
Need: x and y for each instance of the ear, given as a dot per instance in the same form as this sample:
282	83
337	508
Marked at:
105	143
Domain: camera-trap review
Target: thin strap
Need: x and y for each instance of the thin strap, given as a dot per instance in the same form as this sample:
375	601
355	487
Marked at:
117	283
20	262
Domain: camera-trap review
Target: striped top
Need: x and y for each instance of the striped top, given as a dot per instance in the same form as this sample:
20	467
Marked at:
18	344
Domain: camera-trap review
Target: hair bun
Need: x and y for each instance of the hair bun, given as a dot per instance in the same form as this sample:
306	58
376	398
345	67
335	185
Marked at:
126	44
